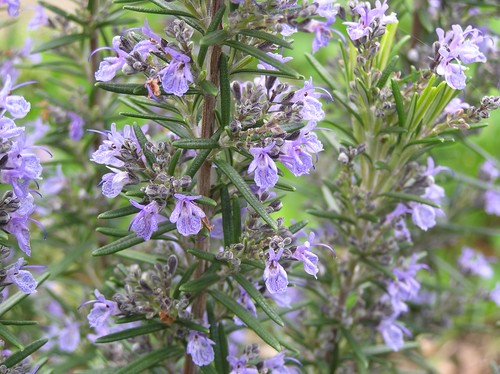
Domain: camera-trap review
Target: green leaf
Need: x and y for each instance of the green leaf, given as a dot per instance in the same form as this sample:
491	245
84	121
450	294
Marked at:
114	232
267	37
174	125
185	277
13	322
61	12
122	88
284	187
384	349
373	264
141	138
274	73
227	216
245	191
215	37
356	349
235	203
463	229
120	212
19	296
7	335
262	56
225	91
258	298
200	284
170	12
173	162
192	325
386	43
202	155
398	99
429	141
214	25
386	73
134	255
393	130
410	197
195	143
207	256
296	227
130	240
329	215
243	314
59	42
150	360
21	355
132	333
208	369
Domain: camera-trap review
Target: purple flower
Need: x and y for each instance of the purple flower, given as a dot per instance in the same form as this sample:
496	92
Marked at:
492	202
274	275
16	105
21	278
245	300
110	65
424	216
266	66
239	365
145	223
474	262
109	152
112	183
489	171
18	224
322	33
69	336
458	47
310	260
200	348
392	332
187	215
296	153
370	20
8	129
327	9
455	105
75	126
176	76
12	7
266	172
312	108
39	19
495	294
102	310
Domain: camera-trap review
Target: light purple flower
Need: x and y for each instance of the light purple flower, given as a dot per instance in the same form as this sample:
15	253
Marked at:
277	364
18	224
16	105
103	309
490	171
495	294
370	20
110	65
177	75
327	9
200	348
455	105
12	7
322	33
187	215
39	19
8	129
145	223
392	332
266	172
475	263
109	151
239	365
69	336
245	300
75	126
309	259
21	278
458	47
274	274
492	202
112	183
296	154
266	66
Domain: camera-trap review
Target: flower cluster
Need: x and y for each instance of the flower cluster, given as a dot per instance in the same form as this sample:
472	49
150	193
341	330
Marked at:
454	48
404	288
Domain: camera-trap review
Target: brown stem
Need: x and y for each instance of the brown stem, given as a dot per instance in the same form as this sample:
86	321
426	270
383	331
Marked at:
204	185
